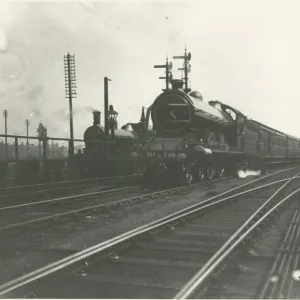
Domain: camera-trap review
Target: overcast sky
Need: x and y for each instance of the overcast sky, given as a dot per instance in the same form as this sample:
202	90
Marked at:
244	53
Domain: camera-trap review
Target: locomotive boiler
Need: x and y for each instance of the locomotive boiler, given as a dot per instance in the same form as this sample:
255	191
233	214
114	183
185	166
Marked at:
193	139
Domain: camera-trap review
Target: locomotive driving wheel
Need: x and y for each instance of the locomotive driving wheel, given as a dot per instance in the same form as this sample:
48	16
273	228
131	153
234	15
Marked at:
210	172
221	171
201	174
188	173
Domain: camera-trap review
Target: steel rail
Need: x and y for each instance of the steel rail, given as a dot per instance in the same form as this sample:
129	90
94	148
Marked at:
79	197
230	244
84	180
54	184
235	244
76	211
141	197
82	197
268	289
109	204
72	259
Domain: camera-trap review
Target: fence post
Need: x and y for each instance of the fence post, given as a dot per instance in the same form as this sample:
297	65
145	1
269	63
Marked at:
16	149
45	148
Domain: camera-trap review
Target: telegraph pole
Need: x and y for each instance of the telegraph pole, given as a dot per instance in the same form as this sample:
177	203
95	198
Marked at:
5	115
106	125
186	68
168	67
70	90
27	129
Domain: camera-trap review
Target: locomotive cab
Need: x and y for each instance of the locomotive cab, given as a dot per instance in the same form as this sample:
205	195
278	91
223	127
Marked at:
235	130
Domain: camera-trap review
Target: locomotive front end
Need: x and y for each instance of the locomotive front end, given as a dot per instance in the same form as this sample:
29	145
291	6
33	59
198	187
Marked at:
163	158
171	159
173	149
172	112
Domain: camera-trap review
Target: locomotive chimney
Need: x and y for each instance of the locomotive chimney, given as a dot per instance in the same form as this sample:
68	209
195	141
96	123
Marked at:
177	84
96	114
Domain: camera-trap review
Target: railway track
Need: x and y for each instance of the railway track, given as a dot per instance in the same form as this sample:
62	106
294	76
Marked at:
51	210
41	212
260	260
139	263
30	193
52	223
266	268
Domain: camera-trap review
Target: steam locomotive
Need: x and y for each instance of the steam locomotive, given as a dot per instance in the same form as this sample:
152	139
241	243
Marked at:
110	156
195	140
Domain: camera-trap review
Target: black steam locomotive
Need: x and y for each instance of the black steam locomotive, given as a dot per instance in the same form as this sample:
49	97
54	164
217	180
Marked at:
112	155
193	139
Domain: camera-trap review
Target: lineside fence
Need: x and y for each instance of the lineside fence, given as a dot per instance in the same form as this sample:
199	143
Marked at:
30	160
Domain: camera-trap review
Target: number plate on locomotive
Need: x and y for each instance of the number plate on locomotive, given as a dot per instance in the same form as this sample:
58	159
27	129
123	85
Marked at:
162	155
151	154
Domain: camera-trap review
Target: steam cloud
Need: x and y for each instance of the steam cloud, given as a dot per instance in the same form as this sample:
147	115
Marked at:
244	174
